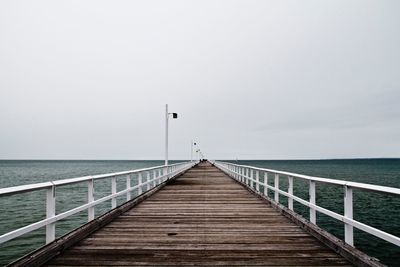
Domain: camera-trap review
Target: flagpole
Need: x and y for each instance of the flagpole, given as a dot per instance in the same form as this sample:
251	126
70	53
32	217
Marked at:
191	150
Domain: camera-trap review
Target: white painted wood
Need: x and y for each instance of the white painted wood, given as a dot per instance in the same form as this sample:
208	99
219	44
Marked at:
90	199
113	192
50	213
266	184
258	181
369	187
166	134
290	191
128	186
348	213
148	180
276	184
250	177
313	214
33	187
140	182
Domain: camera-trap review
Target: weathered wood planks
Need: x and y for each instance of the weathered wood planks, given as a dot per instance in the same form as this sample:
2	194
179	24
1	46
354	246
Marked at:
204	218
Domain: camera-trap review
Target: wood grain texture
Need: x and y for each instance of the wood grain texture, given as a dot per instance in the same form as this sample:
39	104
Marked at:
203	218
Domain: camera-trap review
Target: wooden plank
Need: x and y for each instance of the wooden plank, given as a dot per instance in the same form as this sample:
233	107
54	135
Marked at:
204	218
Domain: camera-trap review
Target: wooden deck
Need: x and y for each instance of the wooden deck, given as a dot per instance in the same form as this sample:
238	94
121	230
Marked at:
203	218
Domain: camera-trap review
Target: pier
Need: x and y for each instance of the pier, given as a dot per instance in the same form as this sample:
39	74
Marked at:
200	217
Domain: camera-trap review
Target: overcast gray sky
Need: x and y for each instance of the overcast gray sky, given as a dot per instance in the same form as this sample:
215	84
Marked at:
249	79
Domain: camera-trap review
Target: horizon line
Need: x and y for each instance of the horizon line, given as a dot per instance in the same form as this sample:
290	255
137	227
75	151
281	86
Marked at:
234	159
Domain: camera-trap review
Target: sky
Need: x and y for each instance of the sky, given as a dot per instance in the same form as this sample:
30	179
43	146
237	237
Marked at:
89	79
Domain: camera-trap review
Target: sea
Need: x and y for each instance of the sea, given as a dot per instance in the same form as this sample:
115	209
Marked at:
378	210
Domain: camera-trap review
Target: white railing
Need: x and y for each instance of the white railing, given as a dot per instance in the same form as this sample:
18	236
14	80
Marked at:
250	176
147	179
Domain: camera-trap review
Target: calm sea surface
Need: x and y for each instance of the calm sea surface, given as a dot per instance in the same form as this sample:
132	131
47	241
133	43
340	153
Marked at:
381	211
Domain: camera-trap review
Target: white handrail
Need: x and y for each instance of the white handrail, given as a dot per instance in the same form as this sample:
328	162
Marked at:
32	187
245	175
160	175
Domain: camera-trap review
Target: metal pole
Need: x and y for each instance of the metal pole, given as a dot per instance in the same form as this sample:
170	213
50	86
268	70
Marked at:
166	135
191	151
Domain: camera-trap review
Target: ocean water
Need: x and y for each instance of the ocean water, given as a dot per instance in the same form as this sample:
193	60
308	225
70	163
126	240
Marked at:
381	211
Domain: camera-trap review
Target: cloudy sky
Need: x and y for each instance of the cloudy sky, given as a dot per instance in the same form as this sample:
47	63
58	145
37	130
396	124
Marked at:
249	79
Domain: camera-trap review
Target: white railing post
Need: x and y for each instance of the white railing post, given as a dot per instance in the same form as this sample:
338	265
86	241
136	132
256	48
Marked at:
290	192
128	186
266	184
154	179
113	191
276	185
313	214
90	199
148	181
158	176
348	213
258	181
251	178
50	212
237	173
140	182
